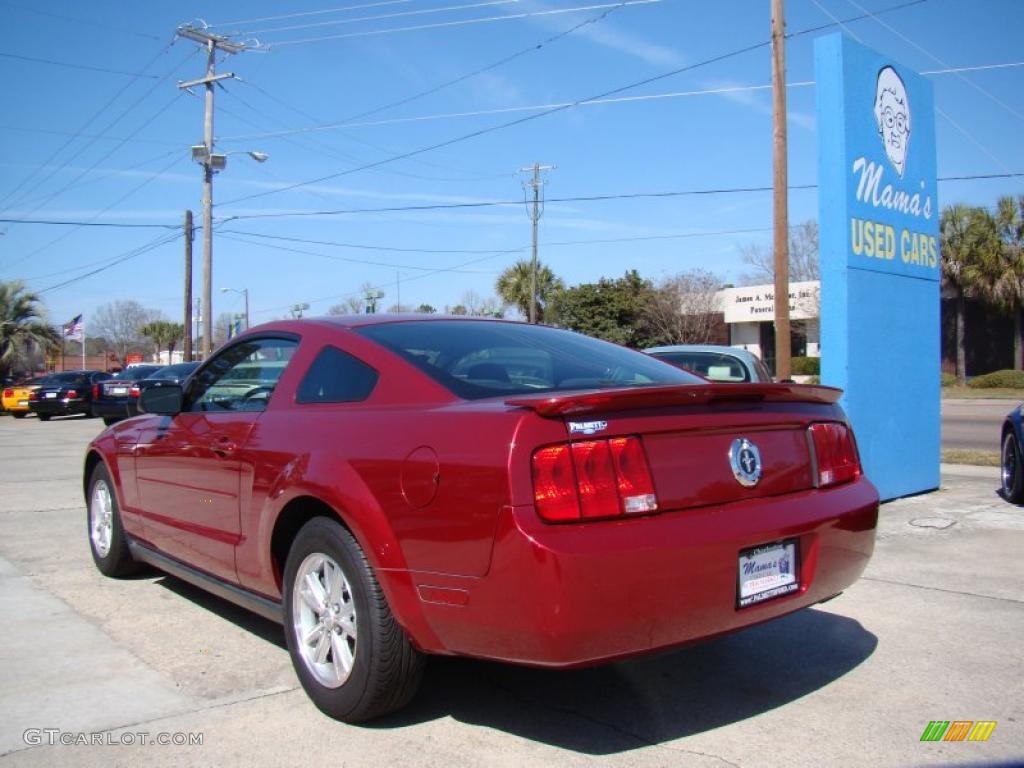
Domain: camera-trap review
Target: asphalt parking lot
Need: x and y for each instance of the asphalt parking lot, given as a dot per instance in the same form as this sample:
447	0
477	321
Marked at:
933	632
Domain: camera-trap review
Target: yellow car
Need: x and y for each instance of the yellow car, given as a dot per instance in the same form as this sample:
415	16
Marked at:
15	399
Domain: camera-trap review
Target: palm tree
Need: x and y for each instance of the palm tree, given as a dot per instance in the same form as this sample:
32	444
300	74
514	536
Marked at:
164	334
22	325
1008	274
513	286
968	241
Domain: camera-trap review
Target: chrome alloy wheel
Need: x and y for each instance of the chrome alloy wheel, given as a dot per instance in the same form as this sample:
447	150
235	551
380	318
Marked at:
101	518
1009	464
324	619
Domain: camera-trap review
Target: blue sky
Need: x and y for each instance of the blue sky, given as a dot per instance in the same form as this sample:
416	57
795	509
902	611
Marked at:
85	145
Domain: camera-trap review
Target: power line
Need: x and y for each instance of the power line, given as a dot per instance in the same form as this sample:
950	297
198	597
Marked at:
121	199
459	23
82	174
361	246
349	123
448	206
88	144
78	133
378	17
126	171
350	260
940	62
71	65
308	13
87	22
454	81
528	118
115	225
135	252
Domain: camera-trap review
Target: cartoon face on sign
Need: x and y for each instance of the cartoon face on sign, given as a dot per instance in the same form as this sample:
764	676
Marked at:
892	113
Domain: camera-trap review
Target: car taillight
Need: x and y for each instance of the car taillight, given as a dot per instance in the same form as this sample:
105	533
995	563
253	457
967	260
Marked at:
71	393
835	454
95	391
8	393
33	395
592	479
134	391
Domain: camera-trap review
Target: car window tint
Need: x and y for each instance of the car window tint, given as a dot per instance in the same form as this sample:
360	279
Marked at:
241	377
483	359
336	377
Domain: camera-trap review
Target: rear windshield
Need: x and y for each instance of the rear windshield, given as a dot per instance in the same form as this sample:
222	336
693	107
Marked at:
136	372
714	365
178	370
475	359
68	377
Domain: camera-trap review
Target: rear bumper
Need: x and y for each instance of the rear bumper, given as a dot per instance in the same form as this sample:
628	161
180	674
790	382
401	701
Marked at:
573	595
119	409
61	407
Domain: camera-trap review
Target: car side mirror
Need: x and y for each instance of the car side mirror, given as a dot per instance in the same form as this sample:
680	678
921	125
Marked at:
164	399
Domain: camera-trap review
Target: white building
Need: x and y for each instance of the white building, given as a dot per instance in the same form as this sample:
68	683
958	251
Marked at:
749	313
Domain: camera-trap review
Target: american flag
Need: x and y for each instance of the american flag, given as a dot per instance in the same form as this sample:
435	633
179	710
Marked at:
74	329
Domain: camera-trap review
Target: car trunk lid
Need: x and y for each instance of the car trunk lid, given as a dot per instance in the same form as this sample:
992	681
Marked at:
693	435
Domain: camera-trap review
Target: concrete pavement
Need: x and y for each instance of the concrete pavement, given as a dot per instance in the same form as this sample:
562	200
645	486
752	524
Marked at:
932	632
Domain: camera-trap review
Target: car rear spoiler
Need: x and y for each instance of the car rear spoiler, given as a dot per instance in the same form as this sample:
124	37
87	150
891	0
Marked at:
633	398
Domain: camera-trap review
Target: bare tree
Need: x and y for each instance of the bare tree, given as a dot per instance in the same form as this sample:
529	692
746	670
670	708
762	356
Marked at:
803	257
121	323
684	308
353	305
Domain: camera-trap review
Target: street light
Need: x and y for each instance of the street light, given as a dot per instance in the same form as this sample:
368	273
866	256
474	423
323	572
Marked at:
244	292
211	162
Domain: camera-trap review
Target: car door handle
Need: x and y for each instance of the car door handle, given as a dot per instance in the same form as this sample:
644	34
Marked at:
225	447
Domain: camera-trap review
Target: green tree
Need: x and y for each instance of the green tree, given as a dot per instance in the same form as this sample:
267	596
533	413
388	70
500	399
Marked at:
22	326
614	310
164	335
513	287
968	239
1004	276
426	309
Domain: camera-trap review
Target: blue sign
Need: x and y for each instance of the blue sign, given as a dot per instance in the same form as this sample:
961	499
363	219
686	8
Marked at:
880	267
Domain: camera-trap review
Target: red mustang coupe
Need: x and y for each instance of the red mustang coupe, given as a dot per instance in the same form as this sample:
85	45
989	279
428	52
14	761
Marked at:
394	487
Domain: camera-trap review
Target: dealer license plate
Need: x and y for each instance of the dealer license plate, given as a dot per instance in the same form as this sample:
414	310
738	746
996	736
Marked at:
767	571
51	394
119	390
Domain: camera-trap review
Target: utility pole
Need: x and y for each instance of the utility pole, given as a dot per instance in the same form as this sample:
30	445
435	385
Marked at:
189	236
781	201
204	154
534	213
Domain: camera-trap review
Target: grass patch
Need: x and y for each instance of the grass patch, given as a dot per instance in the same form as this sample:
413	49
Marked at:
968	393
977	458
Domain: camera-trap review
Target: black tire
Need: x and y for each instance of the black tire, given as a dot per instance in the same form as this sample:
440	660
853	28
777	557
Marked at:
44	416
117	560
19	414
108	420
385	669
1011	473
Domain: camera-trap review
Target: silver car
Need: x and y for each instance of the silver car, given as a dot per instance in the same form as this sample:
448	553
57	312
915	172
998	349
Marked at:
715	362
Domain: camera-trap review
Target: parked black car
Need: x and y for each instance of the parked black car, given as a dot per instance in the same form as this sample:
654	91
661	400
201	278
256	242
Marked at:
118	398
65	393
115	398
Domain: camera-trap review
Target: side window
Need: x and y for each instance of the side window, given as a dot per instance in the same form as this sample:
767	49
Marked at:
336	377
242	377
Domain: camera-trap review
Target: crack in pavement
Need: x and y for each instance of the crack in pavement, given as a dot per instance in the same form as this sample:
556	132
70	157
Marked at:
940	589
